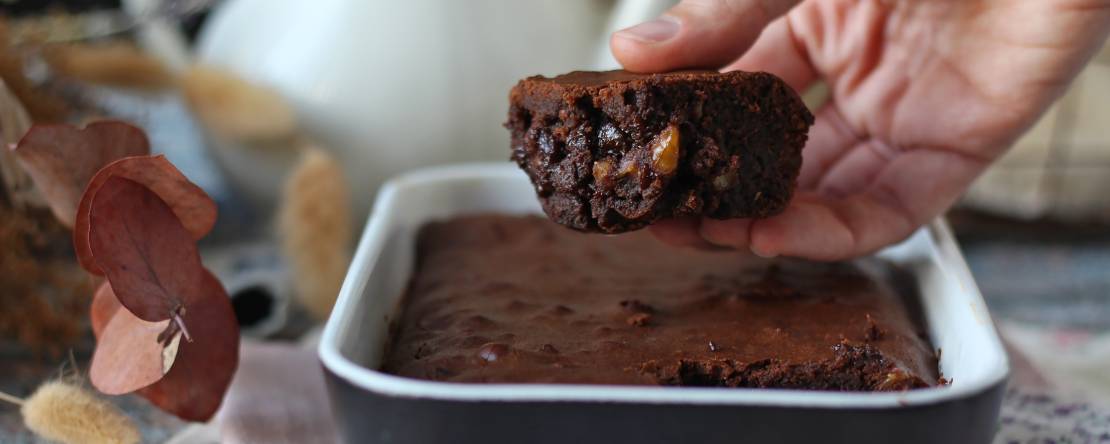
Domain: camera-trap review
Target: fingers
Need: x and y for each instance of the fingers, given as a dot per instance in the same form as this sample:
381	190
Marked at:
830	138
732	233
808	228
678	232
696	34
683	232
910	190
828	229
856	168
907	191
778	52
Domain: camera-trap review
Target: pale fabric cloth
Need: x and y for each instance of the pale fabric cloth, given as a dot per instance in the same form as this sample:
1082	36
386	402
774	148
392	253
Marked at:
1059	387
277	397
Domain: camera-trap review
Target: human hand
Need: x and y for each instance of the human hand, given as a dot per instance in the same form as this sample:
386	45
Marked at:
924	96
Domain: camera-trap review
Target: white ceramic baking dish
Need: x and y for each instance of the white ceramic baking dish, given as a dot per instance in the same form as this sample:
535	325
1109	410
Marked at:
376	407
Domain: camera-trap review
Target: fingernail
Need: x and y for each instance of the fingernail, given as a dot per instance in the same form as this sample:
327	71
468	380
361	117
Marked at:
655	31
731	233
762	254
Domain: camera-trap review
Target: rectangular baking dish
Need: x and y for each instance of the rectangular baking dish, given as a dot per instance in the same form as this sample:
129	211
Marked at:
375	407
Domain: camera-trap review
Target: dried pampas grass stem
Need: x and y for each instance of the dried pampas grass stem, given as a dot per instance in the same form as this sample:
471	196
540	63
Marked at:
315	229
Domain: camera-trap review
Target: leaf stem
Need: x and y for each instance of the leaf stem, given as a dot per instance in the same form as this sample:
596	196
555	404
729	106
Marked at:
181	325
10	398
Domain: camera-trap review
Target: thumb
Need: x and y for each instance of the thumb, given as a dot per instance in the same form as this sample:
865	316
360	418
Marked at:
695	34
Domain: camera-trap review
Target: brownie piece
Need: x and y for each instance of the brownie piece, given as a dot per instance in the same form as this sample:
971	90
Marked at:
518	299
615	151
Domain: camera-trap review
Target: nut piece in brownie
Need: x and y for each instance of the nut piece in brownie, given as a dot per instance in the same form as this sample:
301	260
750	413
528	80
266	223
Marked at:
615	151
517	299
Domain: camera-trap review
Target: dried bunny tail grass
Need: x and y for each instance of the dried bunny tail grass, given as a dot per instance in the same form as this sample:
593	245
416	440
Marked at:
115	63
69	414
314	223
235	109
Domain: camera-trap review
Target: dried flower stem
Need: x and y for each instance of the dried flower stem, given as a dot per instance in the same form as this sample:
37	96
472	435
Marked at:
10	398
181	326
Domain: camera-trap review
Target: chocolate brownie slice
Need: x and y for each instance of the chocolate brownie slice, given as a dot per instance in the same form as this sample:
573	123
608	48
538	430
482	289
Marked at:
615	151
497	298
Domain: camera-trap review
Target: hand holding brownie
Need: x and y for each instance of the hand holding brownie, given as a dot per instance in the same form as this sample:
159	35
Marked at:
924	96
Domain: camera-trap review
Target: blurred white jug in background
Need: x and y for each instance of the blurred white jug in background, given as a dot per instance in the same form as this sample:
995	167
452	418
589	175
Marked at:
389	86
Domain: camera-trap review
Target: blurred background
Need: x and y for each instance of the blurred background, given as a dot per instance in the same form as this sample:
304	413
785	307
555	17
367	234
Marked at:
262	101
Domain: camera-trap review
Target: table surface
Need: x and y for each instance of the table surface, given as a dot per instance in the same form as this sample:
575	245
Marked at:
1042	282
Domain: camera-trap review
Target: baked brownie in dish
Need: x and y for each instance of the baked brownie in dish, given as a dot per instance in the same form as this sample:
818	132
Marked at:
517	299
615	151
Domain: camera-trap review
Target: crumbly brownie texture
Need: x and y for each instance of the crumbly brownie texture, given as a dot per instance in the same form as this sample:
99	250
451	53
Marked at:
519	299
615	151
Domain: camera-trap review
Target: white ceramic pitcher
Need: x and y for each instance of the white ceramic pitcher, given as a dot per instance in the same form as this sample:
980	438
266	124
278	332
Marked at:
393	85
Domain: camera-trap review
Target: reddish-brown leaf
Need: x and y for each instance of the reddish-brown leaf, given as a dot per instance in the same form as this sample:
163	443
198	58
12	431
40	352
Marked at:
154	273
202	371
149	258
62	158
128	354
192	206
104	305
